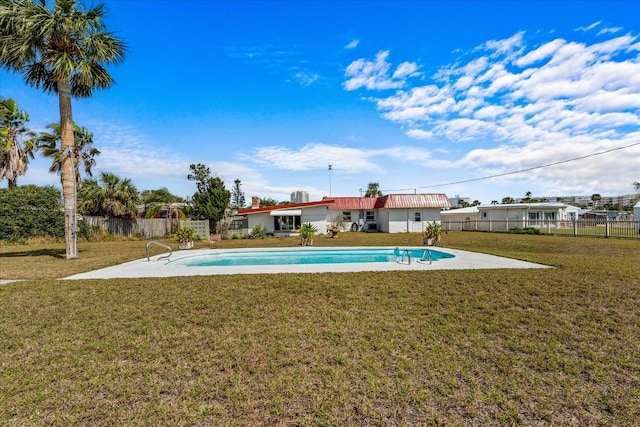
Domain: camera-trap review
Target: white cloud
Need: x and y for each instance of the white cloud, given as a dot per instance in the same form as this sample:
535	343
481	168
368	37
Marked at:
406	69
419	134
312	156
305	78
374	75
530	106
589	27
611	30
346	160
543	52
508	46
352	44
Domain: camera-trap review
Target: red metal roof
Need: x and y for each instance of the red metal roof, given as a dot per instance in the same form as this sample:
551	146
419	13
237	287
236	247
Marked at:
249	211
395	201
353	203
392	201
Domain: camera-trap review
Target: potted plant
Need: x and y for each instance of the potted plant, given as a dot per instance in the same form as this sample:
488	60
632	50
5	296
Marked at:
433	233
307	231
186	236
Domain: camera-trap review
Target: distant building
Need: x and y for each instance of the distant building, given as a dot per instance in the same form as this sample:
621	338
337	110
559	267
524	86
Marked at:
299	197
505	216
457	200
585	201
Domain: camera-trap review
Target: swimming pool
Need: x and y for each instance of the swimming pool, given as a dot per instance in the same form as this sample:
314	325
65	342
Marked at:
248	257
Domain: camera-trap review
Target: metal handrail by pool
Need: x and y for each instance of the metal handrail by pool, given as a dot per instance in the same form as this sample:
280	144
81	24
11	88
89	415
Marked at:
159	244
424	258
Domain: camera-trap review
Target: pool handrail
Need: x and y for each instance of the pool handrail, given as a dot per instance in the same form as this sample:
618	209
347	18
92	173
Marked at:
159	244
401	256
424	253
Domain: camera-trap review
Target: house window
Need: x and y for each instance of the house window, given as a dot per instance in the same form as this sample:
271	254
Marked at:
286	223
417	217
346	216
549	216
370	216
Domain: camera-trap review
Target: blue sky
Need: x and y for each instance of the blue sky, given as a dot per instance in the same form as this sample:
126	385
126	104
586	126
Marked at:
419	96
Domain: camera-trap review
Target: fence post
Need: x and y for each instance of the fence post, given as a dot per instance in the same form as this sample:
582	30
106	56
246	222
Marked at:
575	227
606	226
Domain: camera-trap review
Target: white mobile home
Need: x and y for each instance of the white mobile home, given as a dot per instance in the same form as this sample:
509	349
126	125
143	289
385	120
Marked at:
506	216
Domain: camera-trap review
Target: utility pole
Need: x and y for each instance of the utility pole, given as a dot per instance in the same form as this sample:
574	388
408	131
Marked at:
329	180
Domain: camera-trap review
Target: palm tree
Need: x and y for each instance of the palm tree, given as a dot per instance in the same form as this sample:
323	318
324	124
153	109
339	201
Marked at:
14	158
636	185
109	196
82	151
373	190
508	200
61	50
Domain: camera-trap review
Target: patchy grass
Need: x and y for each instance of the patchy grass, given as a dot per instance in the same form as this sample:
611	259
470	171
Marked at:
487	347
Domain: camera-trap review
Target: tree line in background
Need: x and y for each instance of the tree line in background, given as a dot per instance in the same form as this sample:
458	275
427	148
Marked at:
110	196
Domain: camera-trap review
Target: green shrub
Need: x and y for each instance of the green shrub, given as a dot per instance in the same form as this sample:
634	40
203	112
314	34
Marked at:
257	232
90	233
186	234
526	230
30	211
306	233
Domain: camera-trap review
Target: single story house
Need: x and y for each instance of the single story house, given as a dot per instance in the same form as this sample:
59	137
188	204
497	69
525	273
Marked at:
284	220
394	213
513	215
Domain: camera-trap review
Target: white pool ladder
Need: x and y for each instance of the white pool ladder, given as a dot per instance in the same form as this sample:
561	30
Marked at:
159	244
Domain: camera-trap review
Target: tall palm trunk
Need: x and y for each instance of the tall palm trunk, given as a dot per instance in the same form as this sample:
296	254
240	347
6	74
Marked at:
67	175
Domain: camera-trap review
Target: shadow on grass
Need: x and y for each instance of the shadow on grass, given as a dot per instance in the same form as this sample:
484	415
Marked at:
53	253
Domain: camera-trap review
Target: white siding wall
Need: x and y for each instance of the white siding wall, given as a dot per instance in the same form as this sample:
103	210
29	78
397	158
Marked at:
403	220
261	218
316	215
383	220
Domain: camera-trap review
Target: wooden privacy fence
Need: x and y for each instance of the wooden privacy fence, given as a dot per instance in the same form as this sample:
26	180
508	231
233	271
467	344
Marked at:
146	227
141	227
598	227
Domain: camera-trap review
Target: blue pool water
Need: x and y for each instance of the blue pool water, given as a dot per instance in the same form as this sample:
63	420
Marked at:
305	256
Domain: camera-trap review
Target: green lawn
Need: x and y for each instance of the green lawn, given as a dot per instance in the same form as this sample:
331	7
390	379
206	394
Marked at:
555	346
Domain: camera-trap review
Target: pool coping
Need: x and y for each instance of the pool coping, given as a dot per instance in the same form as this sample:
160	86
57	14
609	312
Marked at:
157	265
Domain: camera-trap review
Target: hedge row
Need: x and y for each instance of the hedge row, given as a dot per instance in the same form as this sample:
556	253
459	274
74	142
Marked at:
30	211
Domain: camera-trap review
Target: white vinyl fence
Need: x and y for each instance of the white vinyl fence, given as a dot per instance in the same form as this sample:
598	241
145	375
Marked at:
602	227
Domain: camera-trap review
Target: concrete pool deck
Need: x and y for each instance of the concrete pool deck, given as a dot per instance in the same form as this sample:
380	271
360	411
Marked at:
155	267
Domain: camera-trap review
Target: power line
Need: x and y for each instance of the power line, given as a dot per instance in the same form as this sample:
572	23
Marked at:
521	170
